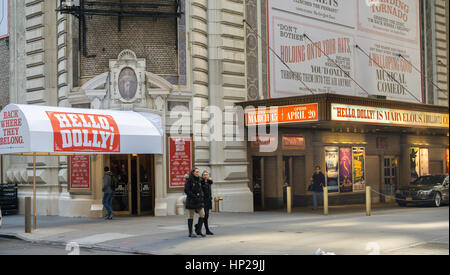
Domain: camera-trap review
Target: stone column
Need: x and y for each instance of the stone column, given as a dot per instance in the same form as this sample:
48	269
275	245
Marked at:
160	187
227	85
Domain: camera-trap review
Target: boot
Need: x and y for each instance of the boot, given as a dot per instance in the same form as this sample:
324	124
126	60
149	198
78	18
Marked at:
208	232
190	222
198	230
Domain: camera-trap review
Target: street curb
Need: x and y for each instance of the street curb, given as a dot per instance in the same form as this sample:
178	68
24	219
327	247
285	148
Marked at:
10	236
59	243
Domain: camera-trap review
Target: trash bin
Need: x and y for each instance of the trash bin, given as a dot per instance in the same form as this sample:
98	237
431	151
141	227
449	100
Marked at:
8	199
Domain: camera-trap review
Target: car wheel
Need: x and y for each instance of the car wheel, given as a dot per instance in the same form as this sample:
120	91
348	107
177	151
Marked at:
437	200
401	203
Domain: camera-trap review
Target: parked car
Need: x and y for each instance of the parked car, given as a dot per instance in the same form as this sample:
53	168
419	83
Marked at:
431	190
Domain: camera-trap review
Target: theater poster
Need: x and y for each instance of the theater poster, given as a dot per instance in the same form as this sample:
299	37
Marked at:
447	160
345	170
307	59
396	20
180	160
359	177
383	72
79	170
332	169
424	162
414	163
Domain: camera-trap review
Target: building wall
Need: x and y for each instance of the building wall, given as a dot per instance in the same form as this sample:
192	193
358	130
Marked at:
4	72
196	60
442	42
150	38
435	50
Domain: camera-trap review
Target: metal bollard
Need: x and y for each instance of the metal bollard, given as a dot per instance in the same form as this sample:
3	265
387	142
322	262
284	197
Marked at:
216	203
368	202
325	201
27	215
289	199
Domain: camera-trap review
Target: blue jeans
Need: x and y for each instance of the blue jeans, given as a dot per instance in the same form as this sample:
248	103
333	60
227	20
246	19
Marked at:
107	202
315	194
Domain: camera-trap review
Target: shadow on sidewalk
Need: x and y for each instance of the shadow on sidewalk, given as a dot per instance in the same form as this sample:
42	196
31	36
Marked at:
343	209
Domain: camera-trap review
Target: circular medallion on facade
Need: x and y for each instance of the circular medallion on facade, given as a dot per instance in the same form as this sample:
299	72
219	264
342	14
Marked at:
127	83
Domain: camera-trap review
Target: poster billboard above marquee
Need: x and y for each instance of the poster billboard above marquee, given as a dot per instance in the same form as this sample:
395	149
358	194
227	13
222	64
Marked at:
381	29
397	19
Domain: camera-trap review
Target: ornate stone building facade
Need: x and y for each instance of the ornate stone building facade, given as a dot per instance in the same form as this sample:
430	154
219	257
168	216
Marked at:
142	64
4	71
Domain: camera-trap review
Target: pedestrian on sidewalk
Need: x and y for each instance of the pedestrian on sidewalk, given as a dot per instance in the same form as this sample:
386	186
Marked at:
194	201
109	185
317	184
207	199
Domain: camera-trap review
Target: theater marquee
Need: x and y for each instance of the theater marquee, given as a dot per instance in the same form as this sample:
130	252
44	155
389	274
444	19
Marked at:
354	113
283	114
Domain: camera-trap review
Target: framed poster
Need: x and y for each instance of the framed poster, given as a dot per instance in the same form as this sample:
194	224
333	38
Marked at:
293	143
424	162
180	160
447	160
359	177
345	171
332	169
79	174
414	163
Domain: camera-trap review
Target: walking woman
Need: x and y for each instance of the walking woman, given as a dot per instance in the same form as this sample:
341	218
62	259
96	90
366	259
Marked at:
207	199
194	201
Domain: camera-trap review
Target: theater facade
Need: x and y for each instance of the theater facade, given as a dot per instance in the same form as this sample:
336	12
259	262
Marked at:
170	59
356	141
350	86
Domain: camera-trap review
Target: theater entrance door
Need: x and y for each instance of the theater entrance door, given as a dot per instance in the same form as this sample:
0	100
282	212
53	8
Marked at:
134	195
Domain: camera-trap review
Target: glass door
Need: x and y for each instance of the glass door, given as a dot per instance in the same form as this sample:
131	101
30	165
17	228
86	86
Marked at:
145	185
390	175
120	167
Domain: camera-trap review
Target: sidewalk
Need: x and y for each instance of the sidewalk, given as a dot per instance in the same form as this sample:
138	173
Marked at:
344	231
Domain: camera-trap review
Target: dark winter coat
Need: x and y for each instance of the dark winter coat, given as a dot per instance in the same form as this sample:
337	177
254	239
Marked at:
318	182
194	192
107	186
207	194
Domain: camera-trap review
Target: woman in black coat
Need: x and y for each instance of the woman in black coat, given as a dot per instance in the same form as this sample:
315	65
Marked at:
194	201
207	199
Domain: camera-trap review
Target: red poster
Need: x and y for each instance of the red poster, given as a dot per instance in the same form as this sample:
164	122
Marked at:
180	160
74	132
79	172
447	160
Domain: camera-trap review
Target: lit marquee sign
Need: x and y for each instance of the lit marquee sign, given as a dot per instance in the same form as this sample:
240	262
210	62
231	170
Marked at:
354	113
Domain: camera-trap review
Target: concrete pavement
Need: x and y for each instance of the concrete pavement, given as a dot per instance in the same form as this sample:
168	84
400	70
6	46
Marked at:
418	230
